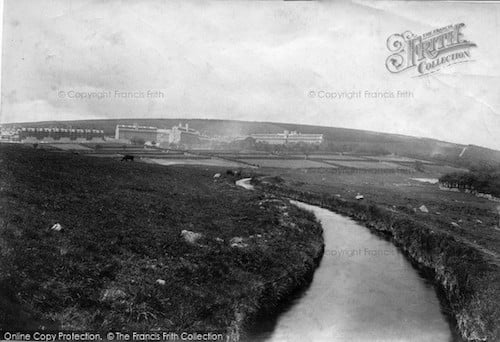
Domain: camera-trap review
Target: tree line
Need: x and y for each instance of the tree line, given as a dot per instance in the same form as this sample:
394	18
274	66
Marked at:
483	181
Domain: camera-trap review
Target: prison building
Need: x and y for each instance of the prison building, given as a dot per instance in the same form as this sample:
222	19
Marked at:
134	132
186	136
288	137
41	133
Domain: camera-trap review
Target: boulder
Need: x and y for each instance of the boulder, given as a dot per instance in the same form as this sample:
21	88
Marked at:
191	237
57	227
423	209
237	242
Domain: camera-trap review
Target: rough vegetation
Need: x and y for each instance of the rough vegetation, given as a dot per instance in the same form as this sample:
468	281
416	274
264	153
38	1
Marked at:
120	259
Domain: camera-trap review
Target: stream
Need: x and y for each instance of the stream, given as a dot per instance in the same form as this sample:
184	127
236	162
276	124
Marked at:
364	289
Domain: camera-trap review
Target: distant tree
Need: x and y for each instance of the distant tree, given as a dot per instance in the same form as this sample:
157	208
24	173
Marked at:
304	148
263	146
248	143
419	166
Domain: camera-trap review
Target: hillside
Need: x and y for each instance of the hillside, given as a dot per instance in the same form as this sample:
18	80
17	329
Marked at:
338	139
141	246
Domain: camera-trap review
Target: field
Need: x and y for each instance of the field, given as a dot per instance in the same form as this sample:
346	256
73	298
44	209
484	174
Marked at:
71	147
233	158
364	165
331	157
196	161
398	159
120	259
287	163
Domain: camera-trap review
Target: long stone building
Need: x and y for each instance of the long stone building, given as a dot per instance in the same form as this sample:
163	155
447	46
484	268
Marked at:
59	134
132	132
288	137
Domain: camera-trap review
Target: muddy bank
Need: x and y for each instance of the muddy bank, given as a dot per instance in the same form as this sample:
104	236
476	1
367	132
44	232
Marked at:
470	282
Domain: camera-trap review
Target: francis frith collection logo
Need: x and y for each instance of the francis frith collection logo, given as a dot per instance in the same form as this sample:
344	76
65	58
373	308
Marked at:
428	52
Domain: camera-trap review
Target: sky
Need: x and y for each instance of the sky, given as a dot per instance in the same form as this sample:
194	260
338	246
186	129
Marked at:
257	61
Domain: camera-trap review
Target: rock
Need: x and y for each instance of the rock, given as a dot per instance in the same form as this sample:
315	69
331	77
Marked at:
57	227
423	209
191	237
359	197
160	282
237	242
113	294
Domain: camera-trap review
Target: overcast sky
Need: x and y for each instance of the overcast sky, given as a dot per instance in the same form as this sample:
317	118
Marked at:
258	61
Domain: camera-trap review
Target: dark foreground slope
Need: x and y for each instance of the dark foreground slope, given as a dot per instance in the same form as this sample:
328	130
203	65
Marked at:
121	233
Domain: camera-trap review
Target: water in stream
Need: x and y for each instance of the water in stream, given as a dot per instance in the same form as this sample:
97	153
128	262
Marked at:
364	290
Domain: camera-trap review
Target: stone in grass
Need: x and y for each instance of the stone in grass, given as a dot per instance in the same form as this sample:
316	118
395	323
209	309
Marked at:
191	237
237	242
423	209
57	227
160	282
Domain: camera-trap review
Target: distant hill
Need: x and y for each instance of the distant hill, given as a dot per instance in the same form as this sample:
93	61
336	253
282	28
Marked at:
338	139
